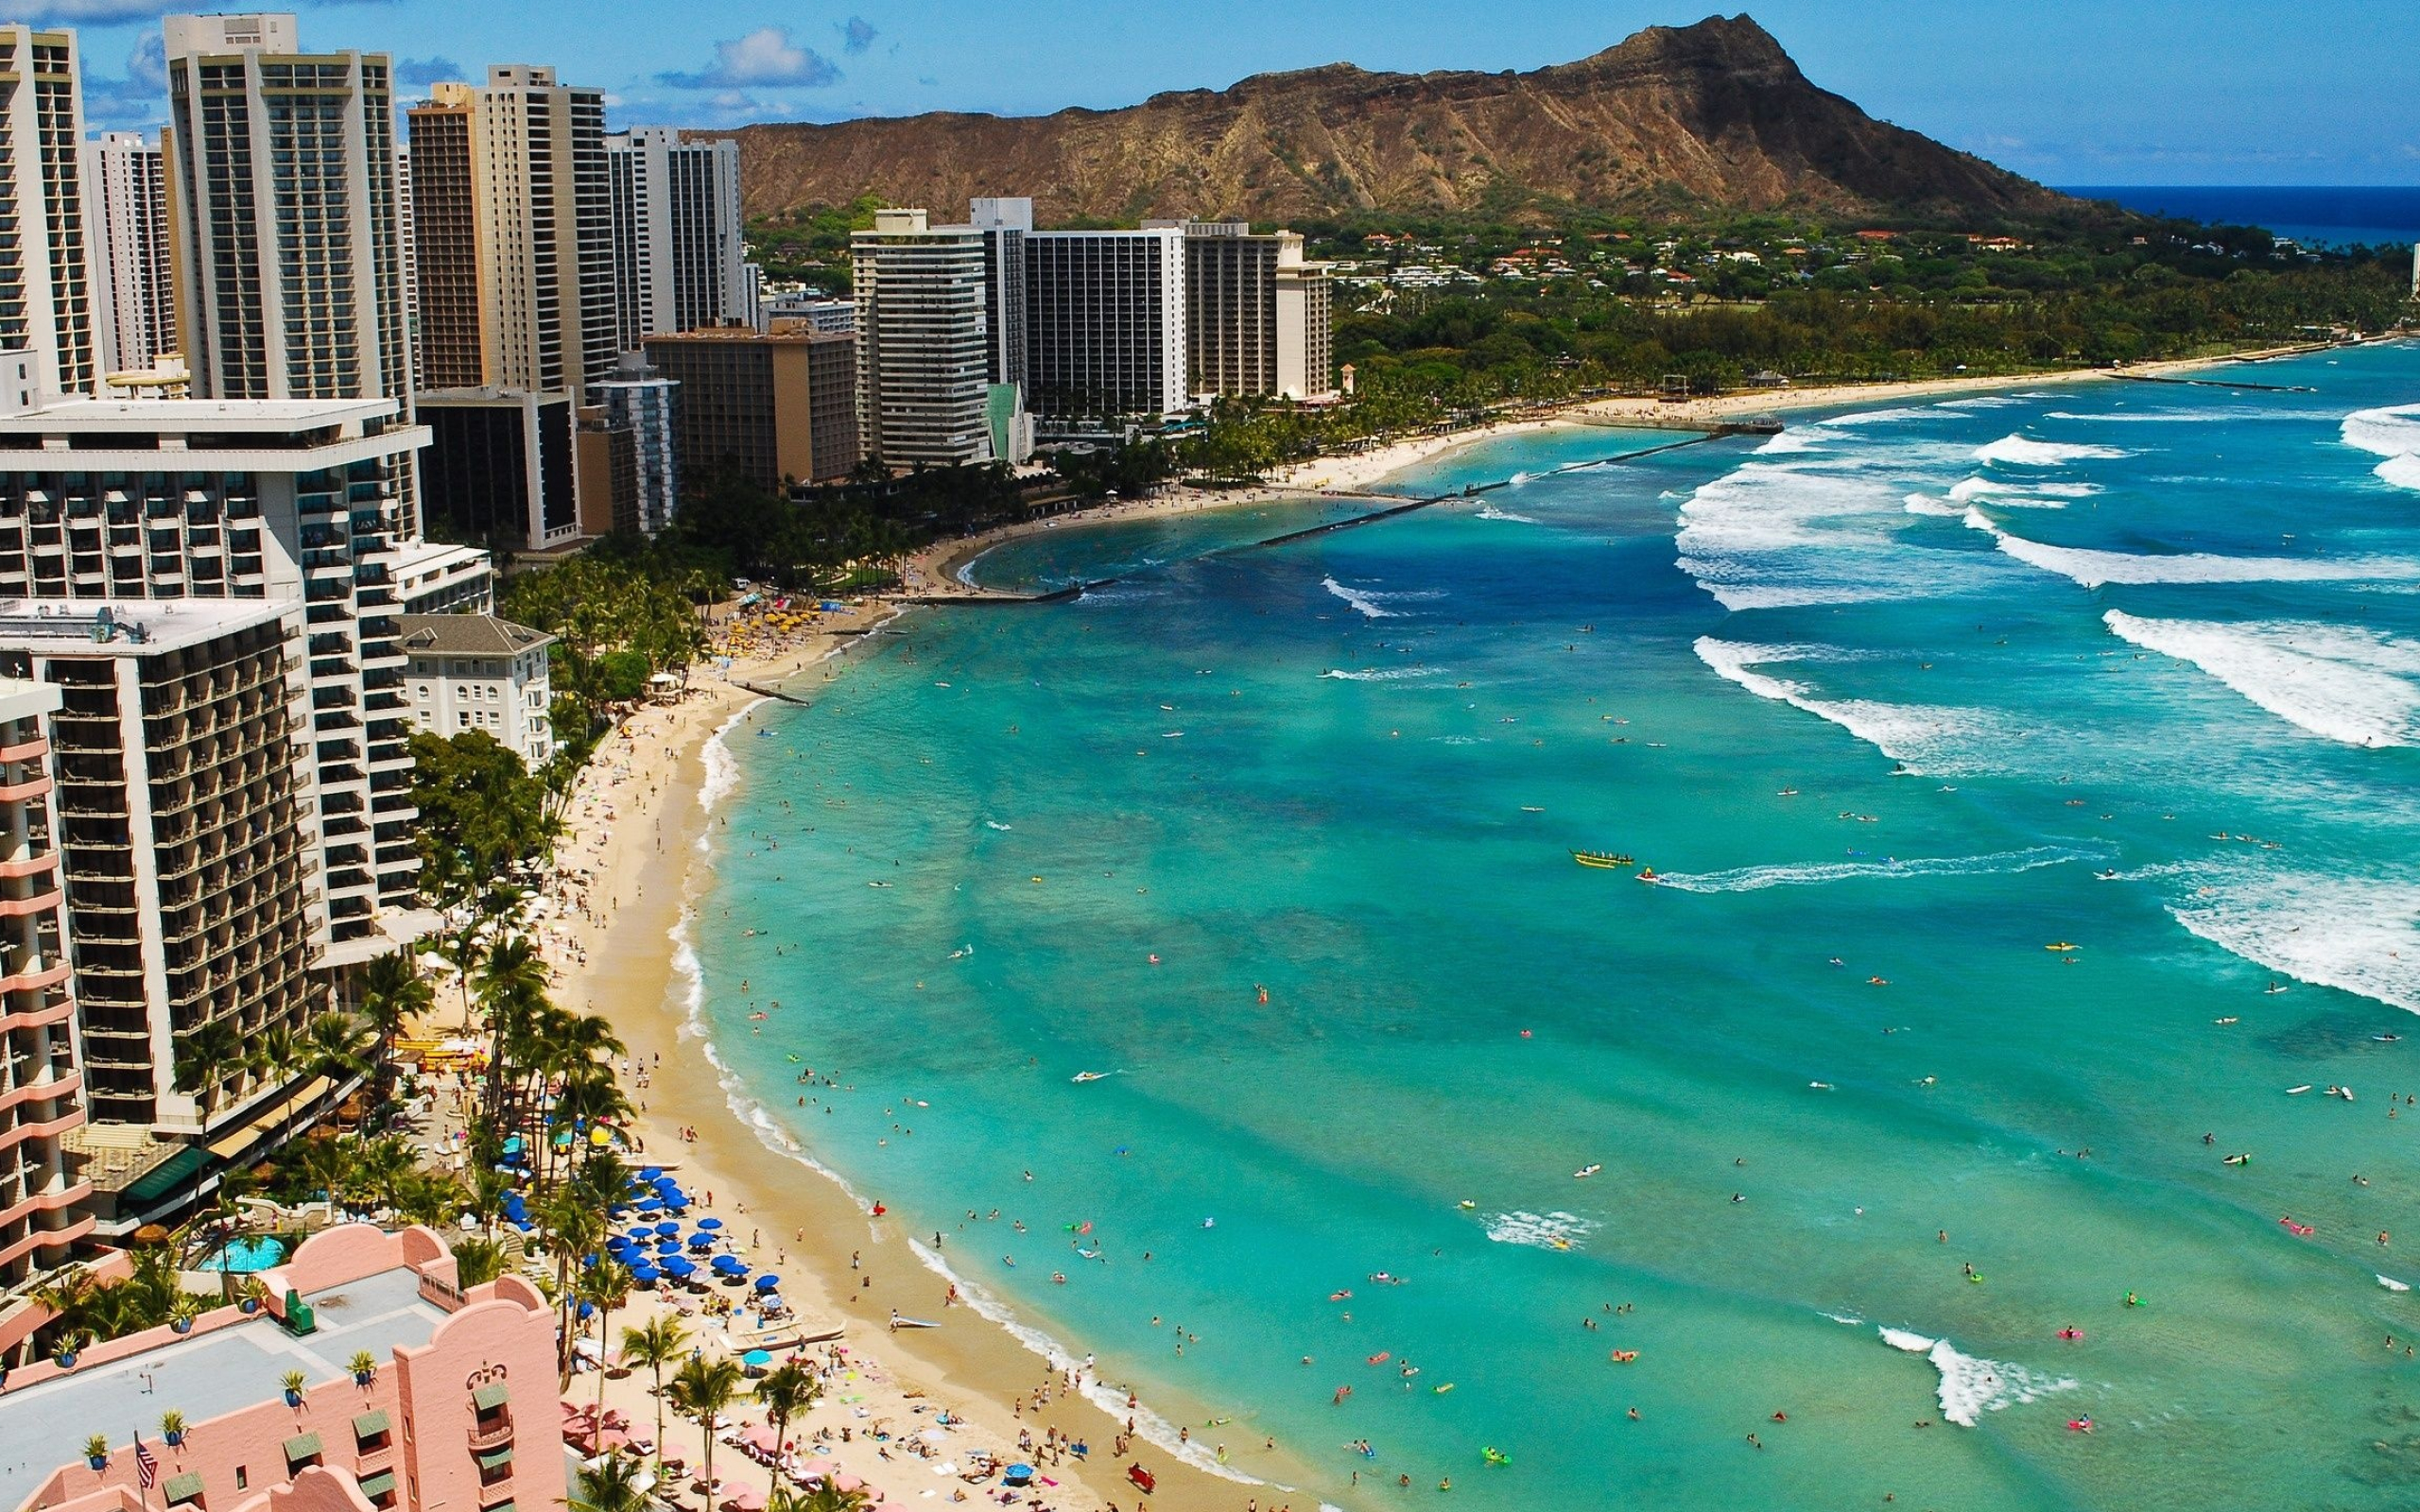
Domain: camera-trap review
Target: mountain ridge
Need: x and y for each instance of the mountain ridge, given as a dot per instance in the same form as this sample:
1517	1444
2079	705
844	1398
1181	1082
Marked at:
1713	115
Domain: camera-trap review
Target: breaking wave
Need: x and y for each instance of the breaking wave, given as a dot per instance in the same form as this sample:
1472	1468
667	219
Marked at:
2343	683
1923	738
2023	451
1969	1386
2392	433
2359	934
2093	569
1755	879
1541	1231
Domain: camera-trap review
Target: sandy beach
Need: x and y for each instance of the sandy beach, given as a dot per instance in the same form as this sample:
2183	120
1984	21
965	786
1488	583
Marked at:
633	830
631	856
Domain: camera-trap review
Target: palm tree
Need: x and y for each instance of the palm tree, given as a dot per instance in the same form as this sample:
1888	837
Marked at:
703	1388
826	1497
392	992
605	1286
477	1262
788	1390
655	1344
612	1484
337	1046
206	1055
70	1301
575	1225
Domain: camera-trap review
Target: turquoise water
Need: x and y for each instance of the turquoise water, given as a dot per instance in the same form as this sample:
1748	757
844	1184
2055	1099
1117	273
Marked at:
1891	702
245	1255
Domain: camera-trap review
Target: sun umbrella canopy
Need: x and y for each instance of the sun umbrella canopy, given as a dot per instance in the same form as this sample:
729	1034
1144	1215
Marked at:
668	1228
645	1275
766	1283
710	1223
677	1268
729	1264
755	1358
650	1205
648	1173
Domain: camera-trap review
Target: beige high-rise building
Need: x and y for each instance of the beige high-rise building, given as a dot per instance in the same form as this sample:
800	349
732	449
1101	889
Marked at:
45	292
134	279
281	184
514	233
1259	319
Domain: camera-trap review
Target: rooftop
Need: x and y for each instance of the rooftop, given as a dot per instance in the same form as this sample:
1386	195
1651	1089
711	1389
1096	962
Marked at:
204	1377
57	412
141	628
466	635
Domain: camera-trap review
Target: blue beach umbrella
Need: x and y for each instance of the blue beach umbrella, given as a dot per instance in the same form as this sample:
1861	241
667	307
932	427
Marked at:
702	1241
710	1223
642	1233
756	1359
767	1282
677	1269
648	1173
652	1205
645	1275
667	1247
668	1228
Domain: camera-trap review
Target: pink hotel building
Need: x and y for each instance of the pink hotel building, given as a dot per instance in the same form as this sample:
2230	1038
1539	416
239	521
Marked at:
461	1415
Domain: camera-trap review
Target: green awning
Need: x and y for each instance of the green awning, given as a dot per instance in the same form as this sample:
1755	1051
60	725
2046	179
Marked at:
301	1447
370	1425
495	1394
490	1461
185	1488
165	1177
379	1484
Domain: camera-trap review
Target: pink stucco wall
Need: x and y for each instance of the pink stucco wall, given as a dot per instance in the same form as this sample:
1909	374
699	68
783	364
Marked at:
503	1332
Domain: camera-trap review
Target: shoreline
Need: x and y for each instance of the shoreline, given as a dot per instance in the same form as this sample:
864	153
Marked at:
631	968
937	570
639	959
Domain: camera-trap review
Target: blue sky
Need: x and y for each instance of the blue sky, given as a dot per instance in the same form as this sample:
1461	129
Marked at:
2112	91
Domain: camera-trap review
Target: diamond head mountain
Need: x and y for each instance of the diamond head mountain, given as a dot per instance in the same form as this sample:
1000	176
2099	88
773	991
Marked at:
1714	116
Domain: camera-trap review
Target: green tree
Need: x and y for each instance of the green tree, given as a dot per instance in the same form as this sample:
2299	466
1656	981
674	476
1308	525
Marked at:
655	1344
705	1388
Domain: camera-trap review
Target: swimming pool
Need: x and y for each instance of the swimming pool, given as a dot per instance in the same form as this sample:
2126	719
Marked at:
243	1256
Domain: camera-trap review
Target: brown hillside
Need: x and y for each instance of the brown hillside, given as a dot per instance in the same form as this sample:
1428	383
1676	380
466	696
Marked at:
1715	112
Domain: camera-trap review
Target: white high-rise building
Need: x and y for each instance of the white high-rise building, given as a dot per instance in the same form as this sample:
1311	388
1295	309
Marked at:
1104	324
45	290
646	402
679	255
931	387
134	280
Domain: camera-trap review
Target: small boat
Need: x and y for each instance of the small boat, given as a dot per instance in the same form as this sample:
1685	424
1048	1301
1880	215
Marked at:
2229	1018
2297	1092
1585	1171
877	885
1603	860
2386	1039
2061	945
1647	875
1088	1076
2110	875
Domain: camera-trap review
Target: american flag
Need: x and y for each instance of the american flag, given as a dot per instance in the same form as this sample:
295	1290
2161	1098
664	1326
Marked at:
146	1463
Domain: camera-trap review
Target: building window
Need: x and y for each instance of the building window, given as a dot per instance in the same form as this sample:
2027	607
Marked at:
243	1477
463	715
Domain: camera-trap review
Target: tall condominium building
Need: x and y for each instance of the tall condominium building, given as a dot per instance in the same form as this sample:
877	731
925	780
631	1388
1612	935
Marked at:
134	278
193	876
519	165
282	176
409	243
646	403
42	1088
678	257
1258	319
1104	320
775	409
929	350
1005	224
123	502
45	258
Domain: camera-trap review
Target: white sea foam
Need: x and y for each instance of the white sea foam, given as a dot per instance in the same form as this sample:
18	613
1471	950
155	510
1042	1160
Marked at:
2021	495
2392	433
1886	417
2393	1285
2359	934
1803	438
1360	602
1969	1386
2342	682
2023	451
1378	674
1924	738
1982	402
1755	879
1773	535
1540	1230
1489	511
1927	504
2093	569
722	768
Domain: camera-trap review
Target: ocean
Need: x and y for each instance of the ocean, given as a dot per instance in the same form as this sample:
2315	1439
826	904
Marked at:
2356	216
2031	780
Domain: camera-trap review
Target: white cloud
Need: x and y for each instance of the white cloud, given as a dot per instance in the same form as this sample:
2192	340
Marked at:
763	58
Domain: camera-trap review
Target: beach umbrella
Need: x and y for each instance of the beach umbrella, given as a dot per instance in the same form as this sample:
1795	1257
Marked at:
756	1359
667	1228
648	1173
710	1223
677	1203
702	1241
652	1205
645	1275
642	1233
726	1262
767	1281
676	1267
